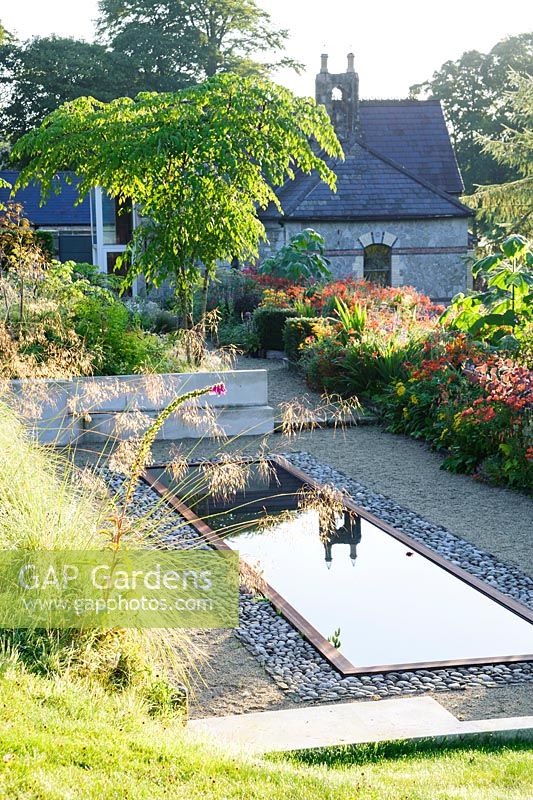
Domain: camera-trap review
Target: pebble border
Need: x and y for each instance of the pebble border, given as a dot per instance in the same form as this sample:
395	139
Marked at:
294	664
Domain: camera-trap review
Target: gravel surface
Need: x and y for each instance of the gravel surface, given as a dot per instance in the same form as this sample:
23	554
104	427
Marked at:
230	683
428	502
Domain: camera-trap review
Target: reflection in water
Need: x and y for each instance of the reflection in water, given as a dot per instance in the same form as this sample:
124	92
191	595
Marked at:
348	531
393	605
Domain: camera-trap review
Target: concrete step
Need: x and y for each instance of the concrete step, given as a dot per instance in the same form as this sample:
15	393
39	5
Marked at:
400	719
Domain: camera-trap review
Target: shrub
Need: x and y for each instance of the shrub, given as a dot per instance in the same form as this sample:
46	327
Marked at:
372	364
322	363
118	349
301	259
474	404
240	335
504	308
234	293
269	324
362	367
301	330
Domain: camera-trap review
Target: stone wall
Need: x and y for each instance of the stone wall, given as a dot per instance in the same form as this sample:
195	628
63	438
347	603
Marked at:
430	255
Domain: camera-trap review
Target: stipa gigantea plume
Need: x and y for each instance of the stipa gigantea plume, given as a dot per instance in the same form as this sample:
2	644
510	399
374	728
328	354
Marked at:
227	476
143	453
251	578
328	502
125	455
202	417
178	464
297	416
265	467
133	423
342	411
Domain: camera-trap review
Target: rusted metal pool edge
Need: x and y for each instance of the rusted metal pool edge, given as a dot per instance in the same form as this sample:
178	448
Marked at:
330	653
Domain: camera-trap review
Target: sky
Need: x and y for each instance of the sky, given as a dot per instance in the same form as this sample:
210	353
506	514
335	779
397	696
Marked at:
396	44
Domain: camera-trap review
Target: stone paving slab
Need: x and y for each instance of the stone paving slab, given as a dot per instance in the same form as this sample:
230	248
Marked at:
352	723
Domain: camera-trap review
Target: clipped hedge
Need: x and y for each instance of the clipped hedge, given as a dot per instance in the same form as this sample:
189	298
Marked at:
298	329
269	323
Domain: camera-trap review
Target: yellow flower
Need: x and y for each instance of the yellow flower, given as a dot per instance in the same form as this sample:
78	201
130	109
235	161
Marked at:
414	400
400	389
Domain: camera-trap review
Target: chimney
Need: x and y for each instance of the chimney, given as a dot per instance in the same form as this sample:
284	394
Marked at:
343	111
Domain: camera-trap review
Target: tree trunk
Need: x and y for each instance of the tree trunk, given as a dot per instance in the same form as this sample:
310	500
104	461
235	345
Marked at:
205	290
21	304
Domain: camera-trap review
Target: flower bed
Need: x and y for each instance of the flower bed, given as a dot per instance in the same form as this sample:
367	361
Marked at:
393	348
472	402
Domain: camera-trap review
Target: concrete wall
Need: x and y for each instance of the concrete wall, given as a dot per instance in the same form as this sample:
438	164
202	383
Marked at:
427	254
96	409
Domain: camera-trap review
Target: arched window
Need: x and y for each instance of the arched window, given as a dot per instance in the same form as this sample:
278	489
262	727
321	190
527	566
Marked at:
377	265
336	94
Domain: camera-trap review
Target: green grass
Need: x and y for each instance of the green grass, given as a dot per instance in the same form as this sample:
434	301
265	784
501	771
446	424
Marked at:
65	740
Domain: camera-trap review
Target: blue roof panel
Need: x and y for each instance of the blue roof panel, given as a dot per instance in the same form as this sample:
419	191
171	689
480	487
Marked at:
60	209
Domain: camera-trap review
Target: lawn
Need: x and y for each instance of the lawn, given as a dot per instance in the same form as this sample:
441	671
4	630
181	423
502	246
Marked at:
62	739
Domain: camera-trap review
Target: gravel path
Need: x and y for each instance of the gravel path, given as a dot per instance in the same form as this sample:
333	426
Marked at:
495	520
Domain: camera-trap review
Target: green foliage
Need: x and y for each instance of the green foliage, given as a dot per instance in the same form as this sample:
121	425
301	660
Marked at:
363	367
214	152
118	347
269	324
501	311
82	271
470	402
335	638
5	36
304	309
234	294
39	75
298	330
164	699
353	319
302	259
510	204
322	361
472	90
175	43
240	335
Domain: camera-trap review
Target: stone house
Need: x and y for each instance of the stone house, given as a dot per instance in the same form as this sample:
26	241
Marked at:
395	218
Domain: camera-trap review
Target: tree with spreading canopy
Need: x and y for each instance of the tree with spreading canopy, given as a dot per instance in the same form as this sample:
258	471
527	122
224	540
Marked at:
511	204
142	46
197	163
473	94
39	75
176	42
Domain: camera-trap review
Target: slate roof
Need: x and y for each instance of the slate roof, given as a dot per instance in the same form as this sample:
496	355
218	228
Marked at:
59	208
402	166
369	187
412	133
